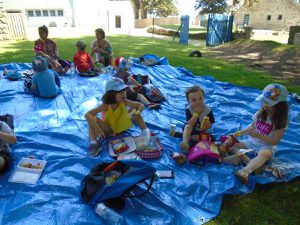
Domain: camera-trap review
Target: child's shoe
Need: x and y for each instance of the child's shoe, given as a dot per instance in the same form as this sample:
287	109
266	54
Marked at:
184	147
94	149
145	137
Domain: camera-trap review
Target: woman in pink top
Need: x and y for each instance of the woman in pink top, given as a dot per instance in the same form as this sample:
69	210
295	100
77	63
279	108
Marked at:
47	48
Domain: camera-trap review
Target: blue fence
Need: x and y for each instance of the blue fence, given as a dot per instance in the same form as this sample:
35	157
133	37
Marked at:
184	30
219	29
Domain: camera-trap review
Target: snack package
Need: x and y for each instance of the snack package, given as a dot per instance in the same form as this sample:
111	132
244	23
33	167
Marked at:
119	146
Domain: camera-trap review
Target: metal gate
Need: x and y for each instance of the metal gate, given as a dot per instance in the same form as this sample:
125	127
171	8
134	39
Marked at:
16	26
219	29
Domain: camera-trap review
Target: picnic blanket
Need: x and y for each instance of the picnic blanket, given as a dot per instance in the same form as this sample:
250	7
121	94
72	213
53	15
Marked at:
55	130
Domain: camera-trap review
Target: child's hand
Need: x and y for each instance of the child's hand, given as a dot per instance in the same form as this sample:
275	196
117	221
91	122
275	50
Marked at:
253	133
206	125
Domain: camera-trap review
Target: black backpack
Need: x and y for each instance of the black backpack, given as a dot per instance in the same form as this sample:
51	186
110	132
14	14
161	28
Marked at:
99	186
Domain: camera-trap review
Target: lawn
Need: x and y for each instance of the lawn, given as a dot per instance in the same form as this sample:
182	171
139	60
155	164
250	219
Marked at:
176	27
267	204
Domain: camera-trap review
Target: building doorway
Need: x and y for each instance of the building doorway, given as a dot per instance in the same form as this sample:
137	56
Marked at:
118	21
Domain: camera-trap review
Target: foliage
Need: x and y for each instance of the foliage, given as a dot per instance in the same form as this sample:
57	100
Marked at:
158	7
211	6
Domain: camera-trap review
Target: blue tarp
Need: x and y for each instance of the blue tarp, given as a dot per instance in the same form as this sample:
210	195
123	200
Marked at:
55	130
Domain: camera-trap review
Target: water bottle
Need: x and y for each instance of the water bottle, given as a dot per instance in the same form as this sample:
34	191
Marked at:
109	215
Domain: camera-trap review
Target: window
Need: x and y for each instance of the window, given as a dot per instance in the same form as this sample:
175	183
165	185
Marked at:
38	13
280	17
269	17
30	13
246	20
52	13
45	13
60	12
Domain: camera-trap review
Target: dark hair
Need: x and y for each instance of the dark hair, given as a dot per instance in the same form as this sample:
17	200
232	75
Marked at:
44	29
100	31
279	117
109	97
192	89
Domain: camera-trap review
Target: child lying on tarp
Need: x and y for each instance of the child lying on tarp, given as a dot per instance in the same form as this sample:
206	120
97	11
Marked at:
117	118
122	66
6	138
45	83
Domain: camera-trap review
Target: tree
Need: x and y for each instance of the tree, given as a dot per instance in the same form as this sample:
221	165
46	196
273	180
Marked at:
158	7
211	6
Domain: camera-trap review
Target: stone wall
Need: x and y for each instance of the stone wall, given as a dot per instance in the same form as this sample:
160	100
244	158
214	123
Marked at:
3	24
293	31
259	12
142	23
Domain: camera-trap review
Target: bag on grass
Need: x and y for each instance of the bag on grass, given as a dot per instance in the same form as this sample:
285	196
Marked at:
8	119
111	183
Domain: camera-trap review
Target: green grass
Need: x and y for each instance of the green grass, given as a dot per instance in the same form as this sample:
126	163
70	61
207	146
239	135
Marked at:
176	27
268	204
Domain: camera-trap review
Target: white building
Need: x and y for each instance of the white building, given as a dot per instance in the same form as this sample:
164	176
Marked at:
107	14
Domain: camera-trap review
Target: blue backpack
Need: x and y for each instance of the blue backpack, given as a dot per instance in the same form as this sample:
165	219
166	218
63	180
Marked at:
111	183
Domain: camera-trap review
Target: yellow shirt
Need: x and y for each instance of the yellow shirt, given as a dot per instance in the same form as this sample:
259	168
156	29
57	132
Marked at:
118	119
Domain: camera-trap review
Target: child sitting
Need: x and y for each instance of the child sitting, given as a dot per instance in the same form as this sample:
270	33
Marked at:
83	61
102	48
122	67
45	83
195	113
6	138
265	131
117	118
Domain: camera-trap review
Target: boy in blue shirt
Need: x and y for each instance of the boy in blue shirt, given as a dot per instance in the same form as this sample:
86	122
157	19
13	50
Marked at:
45	83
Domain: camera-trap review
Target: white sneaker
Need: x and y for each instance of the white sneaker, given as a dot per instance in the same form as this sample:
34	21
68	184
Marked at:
145	137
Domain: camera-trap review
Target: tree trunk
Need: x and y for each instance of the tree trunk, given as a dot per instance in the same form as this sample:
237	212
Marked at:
143	11
136	8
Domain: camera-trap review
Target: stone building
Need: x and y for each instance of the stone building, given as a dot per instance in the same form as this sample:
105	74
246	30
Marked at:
3	24
267	14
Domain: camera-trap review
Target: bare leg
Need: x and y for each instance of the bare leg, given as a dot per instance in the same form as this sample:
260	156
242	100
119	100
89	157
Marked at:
262	157
184	145
142	99
107	130
236	158
140	122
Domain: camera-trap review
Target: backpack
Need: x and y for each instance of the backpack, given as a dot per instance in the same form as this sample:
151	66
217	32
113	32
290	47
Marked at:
152	93
111	183
205	151
8	119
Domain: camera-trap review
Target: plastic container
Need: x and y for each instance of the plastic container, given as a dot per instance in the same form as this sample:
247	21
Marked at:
28	171
108	214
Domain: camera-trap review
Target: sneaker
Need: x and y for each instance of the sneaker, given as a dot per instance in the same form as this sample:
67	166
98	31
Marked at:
94	149
145	137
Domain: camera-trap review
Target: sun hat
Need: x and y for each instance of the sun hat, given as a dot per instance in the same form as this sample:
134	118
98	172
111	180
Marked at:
272	94
115	84
39	63
122	64
80	44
